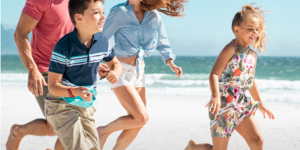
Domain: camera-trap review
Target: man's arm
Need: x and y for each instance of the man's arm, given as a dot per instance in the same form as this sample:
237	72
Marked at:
35	79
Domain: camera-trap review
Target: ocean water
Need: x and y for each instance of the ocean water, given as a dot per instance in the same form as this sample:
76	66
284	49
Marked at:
278	78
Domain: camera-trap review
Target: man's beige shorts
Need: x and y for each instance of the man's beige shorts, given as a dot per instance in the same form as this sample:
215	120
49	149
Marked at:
74	125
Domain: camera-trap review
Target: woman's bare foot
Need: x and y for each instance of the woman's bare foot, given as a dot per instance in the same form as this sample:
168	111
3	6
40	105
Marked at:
14	139
102	136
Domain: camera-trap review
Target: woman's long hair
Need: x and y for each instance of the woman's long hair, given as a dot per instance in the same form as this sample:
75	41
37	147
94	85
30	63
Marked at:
174	8
249	11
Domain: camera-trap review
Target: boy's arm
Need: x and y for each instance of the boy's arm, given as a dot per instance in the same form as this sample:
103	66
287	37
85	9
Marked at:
57	89
255	95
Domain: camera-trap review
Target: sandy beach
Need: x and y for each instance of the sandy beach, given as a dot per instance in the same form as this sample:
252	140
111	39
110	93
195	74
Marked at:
174	120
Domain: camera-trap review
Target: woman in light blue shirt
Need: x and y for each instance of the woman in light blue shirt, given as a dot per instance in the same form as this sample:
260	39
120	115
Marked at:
138	30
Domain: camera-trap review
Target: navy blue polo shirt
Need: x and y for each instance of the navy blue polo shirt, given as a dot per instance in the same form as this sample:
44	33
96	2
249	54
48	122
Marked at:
79	65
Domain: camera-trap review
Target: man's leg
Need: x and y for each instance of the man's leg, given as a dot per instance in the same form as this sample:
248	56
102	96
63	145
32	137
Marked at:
38	127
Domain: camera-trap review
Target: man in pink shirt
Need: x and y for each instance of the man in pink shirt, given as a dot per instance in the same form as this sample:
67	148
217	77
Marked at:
49	21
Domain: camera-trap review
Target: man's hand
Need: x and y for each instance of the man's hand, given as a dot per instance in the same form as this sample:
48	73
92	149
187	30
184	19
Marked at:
83	92
36	82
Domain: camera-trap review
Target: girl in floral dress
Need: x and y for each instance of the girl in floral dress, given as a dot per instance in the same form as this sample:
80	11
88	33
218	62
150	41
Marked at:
230	108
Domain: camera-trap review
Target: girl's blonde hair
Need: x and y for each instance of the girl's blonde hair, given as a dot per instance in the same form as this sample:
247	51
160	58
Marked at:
249	11
174	8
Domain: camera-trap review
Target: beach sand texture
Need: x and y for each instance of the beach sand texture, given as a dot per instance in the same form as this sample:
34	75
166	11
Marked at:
174	120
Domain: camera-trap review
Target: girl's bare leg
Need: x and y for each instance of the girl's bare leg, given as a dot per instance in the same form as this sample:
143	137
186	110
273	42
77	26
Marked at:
249	130
193	146
138	116
219	143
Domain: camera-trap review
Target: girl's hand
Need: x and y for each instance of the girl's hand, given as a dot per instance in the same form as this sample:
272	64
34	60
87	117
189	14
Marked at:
103	70
83	92
112	77
214	105
264	110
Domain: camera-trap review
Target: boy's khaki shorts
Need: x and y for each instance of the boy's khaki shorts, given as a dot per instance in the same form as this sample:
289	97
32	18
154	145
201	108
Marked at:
74	125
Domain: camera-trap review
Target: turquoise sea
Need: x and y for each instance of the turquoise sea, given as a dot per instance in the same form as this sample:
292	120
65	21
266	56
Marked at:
278	78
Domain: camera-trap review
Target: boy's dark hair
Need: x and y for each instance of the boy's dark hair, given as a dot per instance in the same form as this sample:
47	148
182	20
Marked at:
78	7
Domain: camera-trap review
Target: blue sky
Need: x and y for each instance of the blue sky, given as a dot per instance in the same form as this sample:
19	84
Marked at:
206	28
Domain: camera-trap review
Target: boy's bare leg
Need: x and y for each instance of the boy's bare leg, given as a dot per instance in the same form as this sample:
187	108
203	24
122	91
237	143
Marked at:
131	100
38	127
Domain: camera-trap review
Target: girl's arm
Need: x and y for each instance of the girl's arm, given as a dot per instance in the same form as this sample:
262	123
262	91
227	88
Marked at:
165	50
221	62
57	89
255	95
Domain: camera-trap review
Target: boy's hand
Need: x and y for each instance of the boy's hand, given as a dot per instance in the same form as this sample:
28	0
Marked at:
103	70
214	105
112	77
83	92
262	108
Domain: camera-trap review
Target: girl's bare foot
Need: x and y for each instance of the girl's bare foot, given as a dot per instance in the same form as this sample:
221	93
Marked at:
190	145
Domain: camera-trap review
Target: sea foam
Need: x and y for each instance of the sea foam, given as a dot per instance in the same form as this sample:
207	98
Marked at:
187	85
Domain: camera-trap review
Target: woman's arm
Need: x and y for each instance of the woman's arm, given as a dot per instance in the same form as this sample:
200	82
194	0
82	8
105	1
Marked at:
163	46
111	25
165	50
221	62
57	89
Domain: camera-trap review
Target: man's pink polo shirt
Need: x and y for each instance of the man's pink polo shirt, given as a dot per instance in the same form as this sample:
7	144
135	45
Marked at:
54	23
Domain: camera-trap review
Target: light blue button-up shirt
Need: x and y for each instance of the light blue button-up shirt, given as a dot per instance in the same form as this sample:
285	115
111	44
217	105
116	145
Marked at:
134	38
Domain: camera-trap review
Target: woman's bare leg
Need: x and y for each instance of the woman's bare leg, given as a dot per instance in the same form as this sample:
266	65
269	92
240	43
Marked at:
249	130
127	136
131	100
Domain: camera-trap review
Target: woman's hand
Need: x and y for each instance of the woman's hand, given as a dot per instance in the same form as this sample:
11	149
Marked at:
264	110
174	68
83	92
214	105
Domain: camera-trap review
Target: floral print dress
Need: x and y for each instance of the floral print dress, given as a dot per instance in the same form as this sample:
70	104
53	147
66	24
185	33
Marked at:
235	80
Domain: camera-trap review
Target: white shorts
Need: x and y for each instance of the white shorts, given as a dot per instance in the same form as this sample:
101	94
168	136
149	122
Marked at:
129	76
